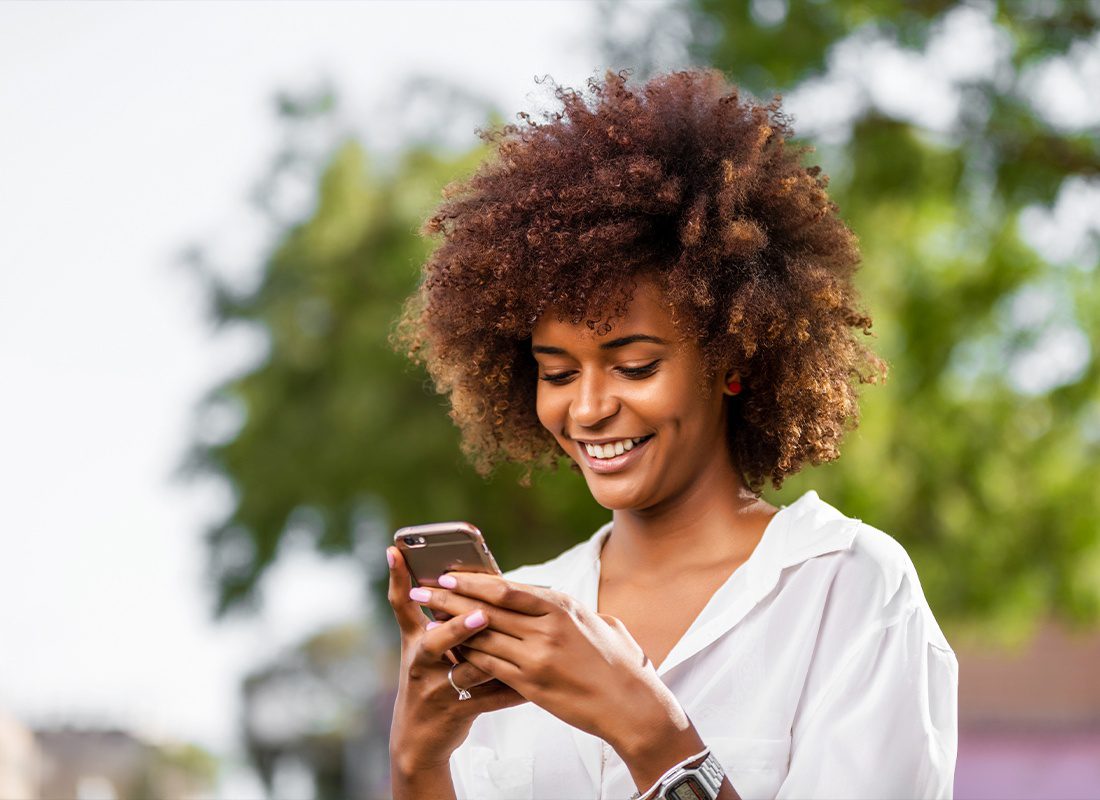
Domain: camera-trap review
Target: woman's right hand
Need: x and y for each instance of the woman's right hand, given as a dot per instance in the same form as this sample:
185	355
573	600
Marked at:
429	721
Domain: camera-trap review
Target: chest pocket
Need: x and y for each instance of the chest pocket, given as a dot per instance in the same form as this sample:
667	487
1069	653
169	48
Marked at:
496	778
756	767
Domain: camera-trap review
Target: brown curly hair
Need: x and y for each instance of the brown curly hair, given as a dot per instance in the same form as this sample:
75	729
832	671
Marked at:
683	176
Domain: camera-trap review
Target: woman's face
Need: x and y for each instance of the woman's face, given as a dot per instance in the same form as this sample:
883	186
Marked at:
634	391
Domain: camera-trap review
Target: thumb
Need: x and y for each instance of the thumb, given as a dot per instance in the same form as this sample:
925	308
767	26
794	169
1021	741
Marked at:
409	616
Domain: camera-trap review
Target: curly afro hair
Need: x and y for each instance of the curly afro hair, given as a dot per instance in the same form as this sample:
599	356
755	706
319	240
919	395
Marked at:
684	178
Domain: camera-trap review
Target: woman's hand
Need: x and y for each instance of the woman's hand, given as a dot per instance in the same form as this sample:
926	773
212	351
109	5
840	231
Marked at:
583	667
429	721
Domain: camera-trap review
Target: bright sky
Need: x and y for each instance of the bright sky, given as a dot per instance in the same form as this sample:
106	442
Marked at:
130	130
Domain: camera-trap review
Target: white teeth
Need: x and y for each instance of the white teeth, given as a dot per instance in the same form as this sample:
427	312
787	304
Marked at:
612	449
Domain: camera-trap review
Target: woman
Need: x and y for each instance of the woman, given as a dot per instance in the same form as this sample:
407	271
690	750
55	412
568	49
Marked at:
654	286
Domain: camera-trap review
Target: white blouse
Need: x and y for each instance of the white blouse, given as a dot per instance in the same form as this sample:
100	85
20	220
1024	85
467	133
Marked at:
815	671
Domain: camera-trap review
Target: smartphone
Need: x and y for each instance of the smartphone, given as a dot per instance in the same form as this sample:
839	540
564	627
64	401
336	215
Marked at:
439	547
430	550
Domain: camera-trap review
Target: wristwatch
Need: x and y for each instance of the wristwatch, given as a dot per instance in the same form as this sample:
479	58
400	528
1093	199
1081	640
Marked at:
689	783
693	783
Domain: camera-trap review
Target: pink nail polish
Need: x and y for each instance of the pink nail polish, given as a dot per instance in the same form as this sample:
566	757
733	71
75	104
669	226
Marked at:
434	624
475	620
448	581
389	557
420	594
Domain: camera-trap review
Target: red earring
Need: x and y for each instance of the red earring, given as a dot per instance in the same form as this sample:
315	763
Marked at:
734	387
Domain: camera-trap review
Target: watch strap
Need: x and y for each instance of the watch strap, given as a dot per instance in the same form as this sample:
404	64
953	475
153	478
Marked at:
708	774
707	777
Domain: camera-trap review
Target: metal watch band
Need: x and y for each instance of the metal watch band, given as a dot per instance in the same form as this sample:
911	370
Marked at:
707	778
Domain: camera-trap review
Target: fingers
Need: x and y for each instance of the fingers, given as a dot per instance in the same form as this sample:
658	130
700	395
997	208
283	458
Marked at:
506	650
503	670
445	604
442	603
467	675
409	616
493	696
522	598
492	693
434	643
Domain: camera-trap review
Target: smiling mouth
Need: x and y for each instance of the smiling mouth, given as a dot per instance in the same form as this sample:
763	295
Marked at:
615	463
606	450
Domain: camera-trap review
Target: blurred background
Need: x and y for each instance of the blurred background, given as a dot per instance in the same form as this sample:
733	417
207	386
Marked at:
209	222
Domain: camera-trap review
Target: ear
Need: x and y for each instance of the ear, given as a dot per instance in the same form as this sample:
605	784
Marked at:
732	383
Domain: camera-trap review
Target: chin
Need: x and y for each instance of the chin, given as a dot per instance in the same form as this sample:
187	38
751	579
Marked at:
614	500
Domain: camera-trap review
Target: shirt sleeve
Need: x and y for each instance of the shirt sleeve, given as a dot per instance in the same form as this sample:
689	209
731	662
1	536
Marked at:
886	724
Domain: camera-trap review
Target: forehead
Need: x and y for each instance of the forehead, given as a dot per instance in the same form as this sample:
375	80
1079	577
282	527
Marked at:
647	312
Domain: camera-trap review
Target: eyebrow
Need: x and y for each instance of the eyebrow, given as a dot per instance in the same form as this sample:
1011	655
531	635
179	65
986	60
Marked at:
622	341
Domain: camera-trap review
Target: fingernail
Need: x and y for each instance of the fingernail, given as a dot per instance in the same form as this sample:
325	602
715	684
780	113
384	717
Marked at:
420	594
448	581
389	557
434	625
476	619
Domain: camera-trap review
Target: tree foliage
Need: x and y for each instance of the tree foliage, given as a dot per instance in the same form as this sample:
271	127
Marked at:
980	453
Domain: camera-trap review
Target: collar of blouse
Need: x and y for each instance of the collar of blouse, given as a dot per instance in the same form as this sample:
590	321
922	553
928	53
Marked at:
807	528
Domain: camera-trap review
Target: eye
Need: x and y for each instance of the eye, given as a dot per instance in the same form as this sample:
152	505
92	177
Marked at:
557	378
631	372
640	372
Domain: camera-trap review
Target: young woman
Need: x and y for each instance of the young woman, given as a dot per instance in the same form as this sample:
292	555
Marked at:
653	285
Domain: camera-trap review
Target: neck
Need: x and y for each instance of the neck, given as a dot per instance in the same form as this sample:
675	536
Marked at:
715	521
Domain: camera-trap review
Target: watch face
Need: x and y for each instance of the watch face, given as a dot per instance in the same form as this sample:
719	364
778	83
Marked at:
688	789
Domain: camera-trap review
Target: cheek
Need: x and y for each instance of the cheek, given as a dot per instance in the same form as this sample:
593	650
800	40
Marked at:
668	399
546	409
688	413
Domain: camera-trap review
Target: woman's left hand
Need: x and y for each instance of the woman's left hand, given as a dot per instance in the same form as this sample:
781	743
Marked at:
583	667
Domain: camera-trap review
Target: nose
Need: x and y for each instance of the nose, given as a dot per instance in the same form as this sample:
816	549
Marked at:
593	401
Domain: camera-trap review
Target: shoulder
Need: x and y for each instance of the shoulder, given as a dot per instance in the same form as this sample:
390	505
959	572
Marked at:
879	568
877	574
862	574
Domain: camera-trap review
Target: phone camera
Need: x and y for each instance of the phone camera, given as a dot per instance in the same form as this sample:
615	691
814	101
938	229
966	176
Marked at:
413	541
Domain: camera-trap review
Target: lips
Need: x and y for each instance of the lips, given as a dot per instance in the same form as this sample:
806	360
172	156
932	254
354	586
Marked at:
617	463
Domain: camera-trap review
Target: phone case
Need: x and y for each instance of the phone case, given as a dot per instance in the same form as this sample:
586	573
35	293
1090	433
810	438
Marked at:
430	550
433	549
